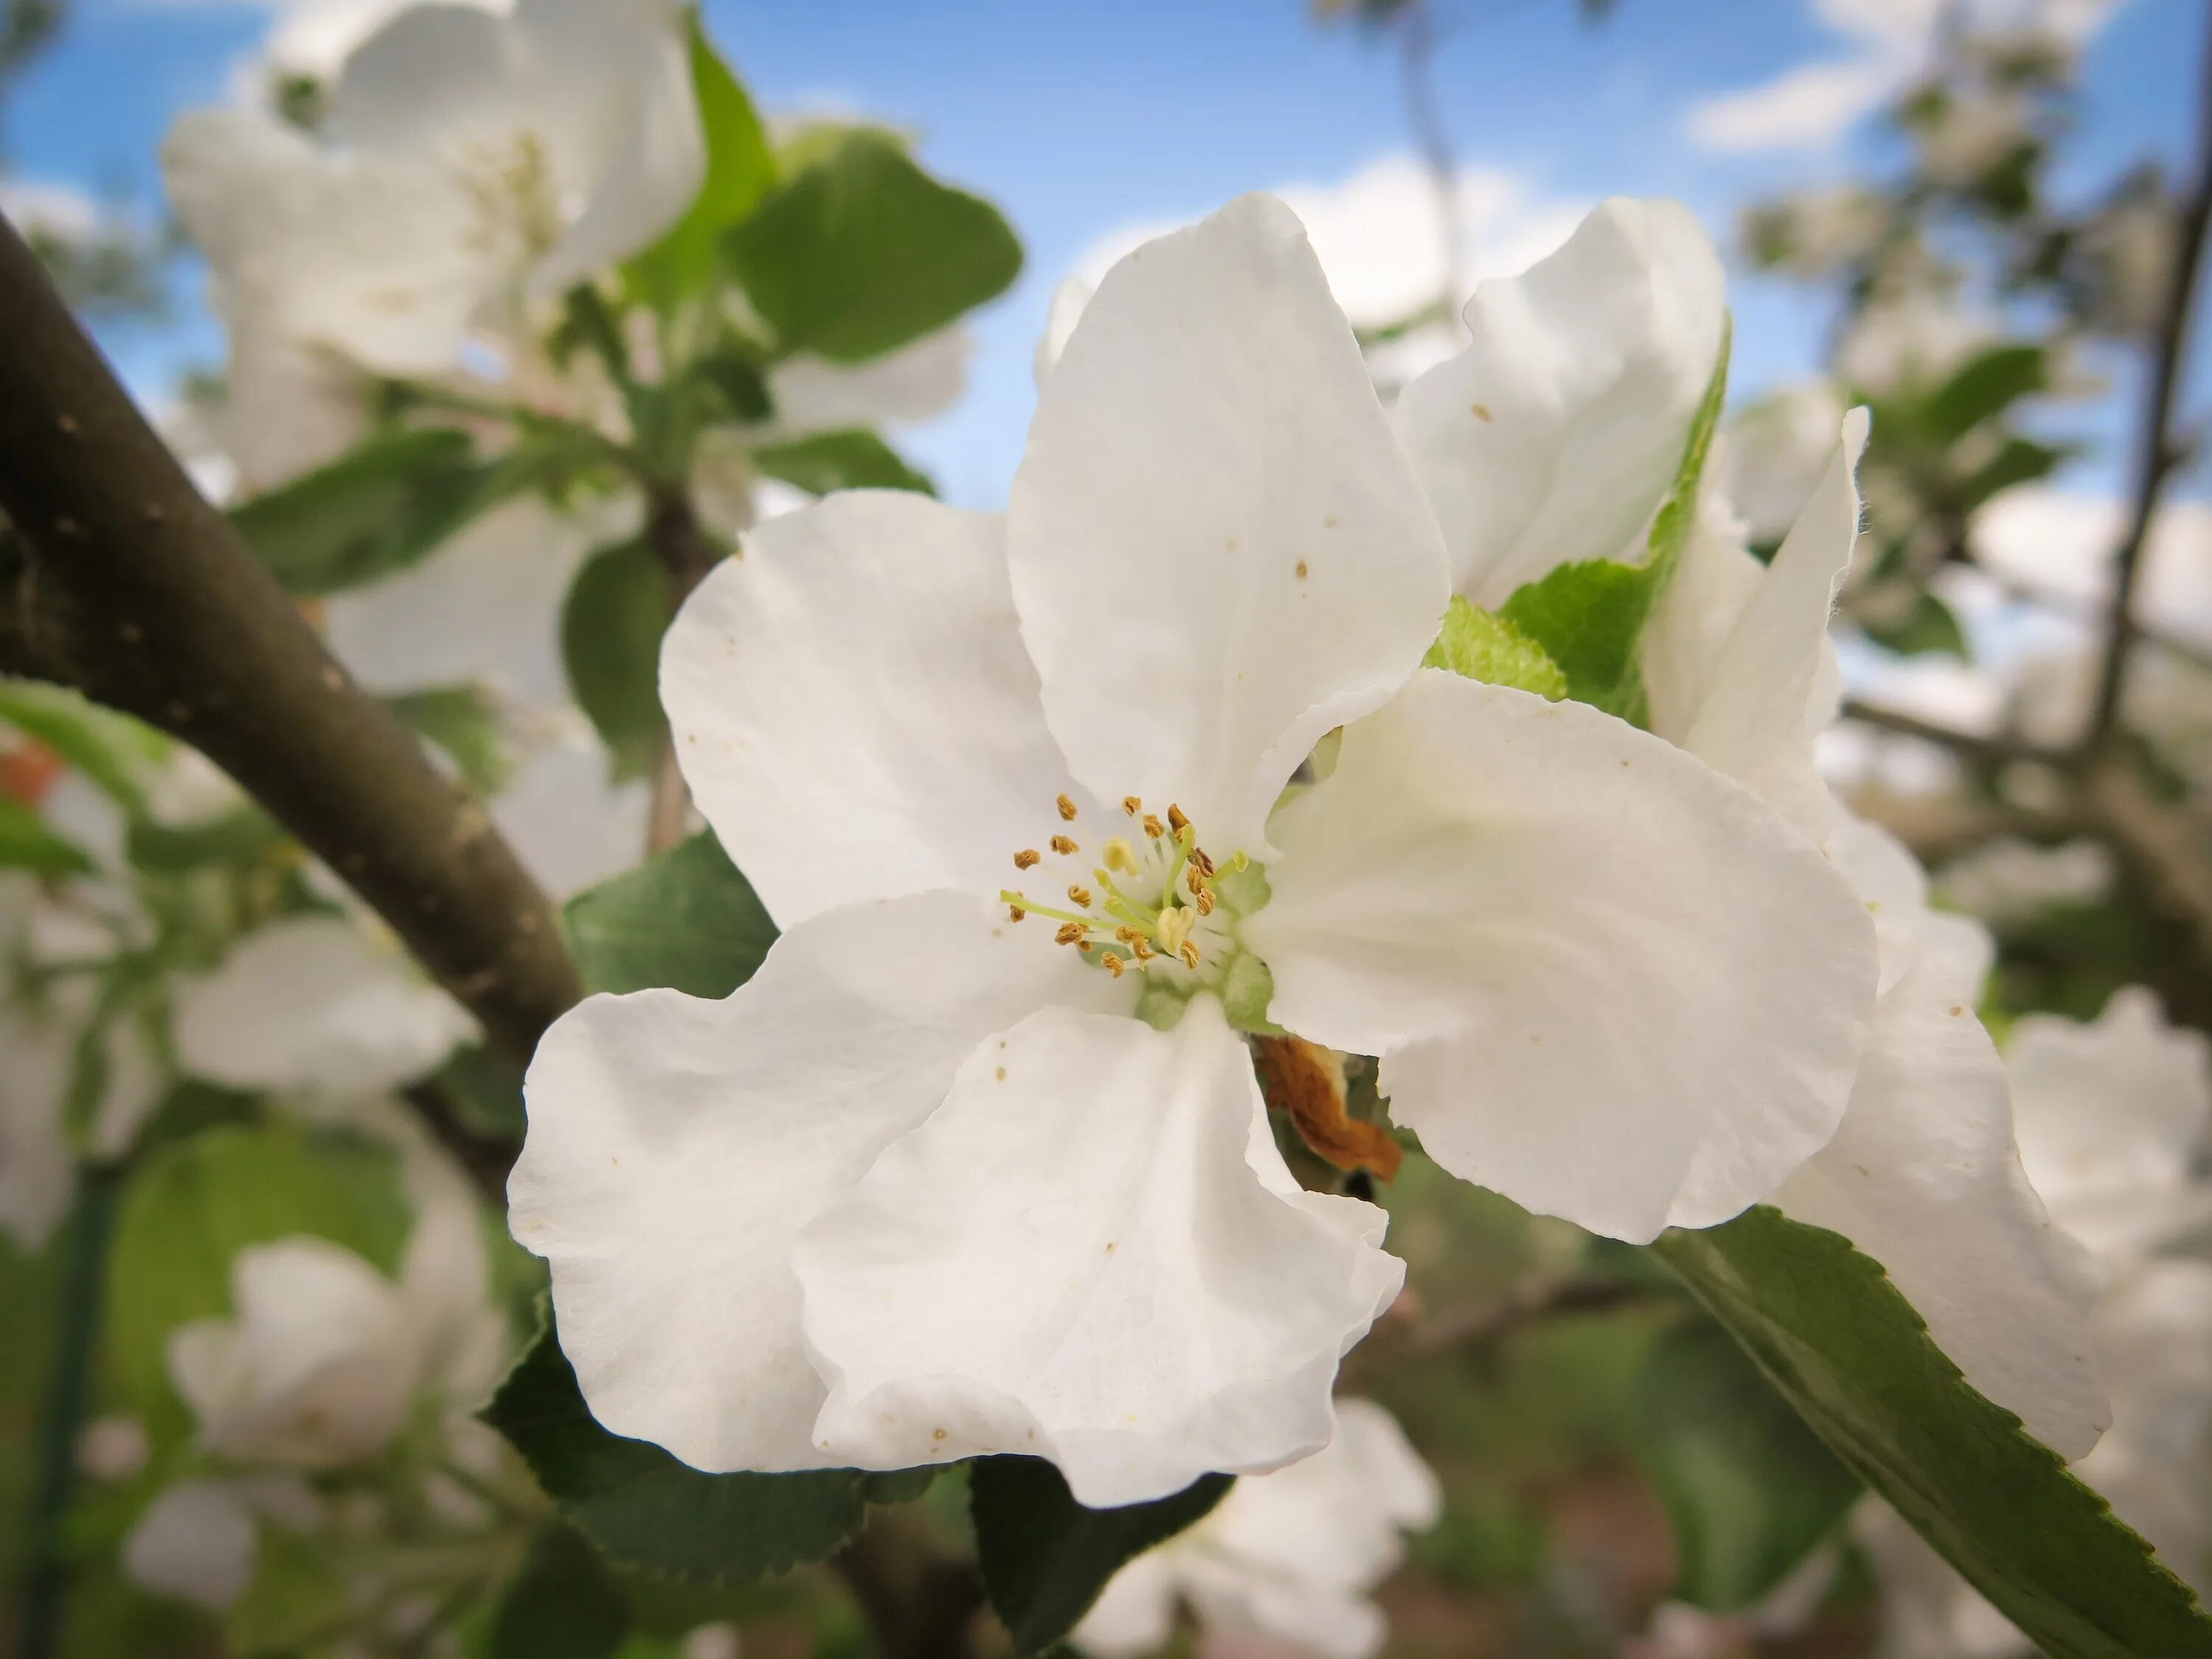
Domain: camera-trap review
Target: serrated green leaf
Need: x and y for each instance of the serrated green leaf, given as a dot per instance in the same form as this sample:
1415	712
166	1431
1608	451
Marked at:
1750	1490
1849	1353
1483	646
611	623
465	721
642	1508
563	1605
1045	1558
852	459
192	1205
107	748
1589	617
740	169
27	841
862	250
687	919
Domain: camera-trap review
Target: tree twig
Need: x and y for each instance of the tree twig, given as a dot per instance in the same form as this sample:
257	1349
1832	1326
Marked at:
1477	1324
920	1603
2165	846
123	582
2156	452
687	553
1985	750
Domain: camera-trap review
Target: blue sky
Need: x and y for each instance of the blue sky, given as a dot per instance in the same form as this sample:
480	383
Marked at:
1083	117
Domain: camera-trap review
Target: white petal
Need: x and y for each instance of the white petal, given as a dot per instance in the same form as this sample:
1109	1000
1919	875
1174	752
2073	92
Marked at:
1714	581
1890	882
1773	687
815	394
1134	1614
1604	980
677	1147
1089	1254
1323	1620
314	1004
287	407
854	712
571	825
2111	1117
1923	1176
380	259
1068	300
1217	551
38	1171
196	1542
1553	437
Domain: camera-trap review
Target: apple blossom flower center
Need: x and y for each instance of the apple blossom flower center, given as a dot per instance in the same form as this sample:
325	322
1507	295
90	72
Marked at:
1144	897
510	179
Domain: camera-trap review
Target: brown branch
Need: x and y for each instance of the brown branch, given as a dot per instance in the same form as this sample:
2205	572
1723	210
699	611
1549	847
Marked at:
2166	847
125	583
920	1603
2156	452
687	553
1968	745
1479	1324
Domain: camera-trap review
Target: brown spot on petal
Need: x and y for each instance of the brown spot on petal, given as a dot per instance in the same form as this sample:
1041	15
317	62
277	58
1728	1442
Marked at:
1306	1081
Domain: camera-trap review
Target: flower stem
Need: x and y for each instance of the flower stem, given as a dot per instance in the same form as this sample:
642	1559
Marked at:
69	1388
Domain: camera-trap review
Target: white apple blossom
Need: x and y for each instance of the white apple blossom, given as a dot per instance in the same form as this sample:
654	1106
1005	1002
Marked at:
1777	451
1923	1173
1289	1556
473	160
199	1539
988	1208
2112	1118
2009	879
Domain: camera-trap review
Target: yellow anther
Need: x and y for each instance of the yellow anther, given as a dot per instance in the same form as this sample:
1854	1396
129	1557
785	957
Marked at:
1112	964
1153	827
1131	804
1015	913
1067	808
1071	933
1079	896
1120	856
1203	898
1028	858
1189	954
1064	845
1176	818
1200	862
1145	951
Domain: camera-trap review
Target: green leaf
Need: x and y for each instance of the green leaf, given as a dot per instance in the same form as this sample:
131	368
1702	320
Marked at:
246	835
1849	1353
107	748
1749	1490
740	168
642	1507
841	460
296	1593
2018	461
382	508
688	919
862	251
463	721
27	841
611	623
564	1604
1045	1558
1483	646
1985	384
193	1205
1928	628
1590	617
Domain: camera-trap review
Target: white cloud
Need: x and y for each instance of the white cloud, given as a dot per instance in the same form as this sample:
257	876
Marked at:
1379	237
44	206
1809	106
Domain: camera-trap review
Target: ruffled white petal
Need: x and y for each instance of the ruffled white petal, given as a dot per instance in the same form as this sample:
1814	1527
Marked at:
1091	1254
1604	979
926	378
1068	300
1923	1176
1134	1614
854	709
1217	551
2111	1117
314	1004
1553	437
677	1147
1772	685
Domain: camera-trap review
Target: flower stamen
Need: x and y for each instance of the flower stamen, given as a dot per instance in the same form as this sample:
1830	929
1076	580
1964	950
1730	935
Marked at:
1028	858
1067	808
1065	845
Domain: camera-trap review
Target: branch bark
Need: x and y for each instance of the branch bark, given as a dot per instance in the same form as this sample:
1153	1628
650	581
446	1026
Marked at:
122	582
919	1603
2156	452
687	553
